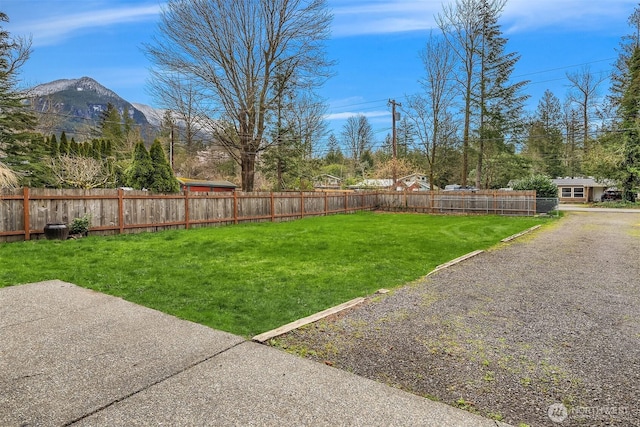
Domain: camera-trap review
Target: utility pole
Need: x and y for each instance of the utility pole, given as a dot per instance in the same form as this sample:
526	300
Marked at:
394	144
171	148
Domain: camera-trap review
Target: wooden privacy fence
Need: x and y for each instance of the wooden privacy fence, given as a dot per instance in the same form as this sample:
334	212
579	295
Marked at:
520	203
25	212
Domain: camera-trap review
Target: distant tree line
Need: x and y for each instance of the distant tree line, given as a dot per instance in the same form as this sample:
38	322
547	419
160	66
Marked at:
240	104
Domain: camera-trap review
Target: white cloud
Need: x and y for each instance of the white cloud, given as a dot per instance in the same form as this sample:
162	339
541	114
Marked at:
52	29
362	17
355	17
346	114
523	15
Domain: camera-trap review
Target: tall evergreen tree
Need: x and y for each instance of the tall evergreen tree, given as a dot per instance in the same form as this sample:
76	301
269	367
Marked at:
630	115
544	146
64	144
111	126
162	178
334	153
107	148
54	147
499	101
96	149
26	157
74	148
620	77
16	121
139	174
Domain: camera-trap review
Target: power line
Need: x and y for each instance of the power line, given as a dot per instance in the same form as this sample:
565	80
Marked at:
563	67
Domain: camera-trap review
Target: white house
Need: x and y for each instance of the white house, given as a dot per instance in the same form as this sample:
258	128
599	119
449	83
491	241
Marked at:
580	190
415	182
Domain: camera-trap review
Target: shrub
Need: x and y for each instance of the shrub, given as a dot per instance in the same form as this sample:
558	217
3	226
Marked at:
542	184
80	225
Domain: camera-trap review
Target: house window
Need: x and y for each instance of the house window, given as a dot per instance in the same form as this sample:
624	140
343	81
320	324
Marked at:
578	192
566	192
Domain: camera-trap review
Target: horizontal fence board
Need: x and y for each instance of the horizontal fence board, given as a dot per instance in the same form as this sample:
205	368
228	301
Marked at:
25	212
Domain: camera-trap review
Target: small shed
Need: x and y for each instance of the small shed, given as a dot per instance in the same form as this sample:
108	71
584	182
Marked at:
580	190
221	186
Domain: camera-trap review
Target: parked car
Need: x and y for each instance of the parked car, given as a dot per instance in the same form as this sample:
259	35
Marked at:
611	194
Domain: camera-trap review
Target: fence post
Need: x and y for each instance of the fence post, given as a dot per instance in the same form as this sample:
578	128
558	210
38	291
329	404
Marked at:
301	204
432	198
26	213
346	203
326	203
235	207
273	208
186	209
121	210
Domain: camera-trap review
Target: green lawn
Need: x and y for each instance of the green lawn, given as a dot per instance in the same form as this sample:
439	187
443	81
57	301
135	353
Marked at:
247	279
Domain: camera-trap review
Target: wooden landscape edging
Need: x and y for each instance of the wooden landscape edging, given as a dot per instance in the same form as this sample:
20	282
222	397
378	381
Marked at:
265	336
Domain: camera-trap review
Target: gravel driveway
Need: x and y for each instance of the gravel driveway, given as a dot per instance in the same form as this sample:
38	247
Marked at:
551	319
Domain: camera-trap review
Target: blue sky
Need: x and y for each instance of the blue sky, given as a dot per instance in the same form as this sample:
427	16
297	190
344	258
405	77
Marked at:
375	43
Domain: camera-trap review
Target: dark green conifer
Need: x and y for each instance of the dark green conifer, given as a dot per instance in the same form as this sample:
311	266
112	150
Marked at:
140	173
163	179
54	147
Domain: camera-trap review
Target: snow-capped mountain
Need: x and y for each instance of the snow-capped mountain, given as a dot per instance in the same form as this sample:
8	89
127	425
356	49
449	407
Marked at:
78	85
154	115
77	105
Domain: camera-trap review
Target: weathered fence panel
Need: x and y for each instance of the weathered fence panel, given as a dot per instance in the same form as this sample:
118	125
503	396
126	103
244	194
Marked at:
25	212
461	202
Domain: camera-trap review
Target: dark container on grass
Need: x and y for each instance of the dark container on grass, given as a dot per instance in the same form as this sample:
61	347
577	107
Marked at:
56	231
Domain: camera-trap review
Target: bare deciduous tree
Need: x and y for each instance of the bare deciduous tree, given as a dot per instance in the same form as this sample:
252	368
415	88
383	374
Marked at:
430	111
180	96
80	172
231	50
48	113
572	128
462	27
357	135
583	92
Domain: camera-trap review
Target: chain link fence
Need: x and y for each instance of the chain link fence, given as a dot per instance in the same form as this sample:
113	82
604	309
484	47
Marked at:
546	205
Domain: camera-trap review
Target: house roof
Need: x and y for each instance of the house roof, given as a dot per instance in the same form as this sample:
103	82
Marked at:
584	182
203	183
415	177
424	185
371	183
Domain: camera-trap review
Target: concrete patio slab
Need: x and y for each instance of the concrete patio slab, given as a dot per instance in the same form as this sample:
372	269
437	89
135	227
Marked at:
75	351
72	356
